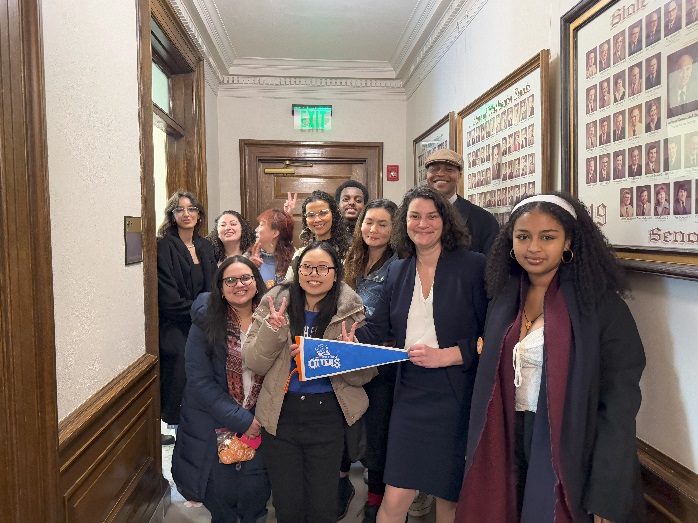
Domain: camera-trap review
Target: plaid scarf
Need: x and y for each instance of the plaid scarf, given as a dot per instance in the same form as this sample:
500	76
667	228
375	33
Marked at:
233	365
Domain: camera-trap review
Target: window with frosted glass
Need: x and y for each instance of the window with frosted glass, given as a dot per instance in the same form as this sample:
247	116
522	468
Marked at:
161	89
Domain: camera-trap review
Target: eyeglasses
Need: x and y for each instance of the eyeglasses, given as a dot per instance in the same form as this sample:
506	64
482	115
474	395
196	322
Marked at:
307	270
190	210
322	214
232	281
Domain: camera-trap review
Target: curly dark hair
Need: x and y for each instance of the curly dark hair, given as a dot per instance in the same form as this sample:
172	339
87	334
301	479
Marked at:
217	312
283	252
594	267
357	258
247	235
339	239
168	226
454	234
327	306
350	183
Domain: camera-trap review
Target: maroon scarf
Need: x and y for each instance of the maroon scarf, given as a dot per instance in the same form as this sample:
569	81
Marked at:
489	487
233	365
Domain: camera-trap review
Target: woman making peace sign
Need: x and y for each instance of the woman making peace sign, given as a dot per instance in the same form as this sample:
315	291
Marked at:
303	429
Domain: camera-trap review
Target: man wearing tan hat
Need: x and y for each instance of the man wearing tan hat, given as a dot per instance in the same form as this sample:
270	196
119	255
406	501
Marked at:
444	169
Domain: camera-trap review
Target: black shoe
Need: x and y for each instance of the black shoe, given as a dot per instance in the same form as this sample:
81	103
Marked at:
166	439
370	513
345	493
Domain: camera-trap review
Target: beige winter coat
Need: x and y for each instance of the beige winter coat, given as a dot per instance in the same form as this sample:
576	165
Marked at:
268	353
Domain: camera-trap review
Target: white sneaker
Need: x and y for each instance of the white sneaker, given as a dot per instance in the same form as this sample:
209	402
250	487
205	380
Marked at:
421	505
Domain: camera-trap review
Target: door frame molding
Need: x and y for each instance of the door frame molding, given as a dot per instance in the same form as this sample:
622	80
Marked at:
252	151
29	419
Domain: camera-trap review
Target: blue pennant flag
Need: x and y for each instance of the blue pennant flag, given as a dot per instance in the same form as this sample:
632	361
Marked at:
320	358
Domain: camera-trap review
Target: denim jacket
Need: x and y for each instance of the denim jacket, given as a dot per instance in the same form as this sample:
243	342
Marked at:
369	288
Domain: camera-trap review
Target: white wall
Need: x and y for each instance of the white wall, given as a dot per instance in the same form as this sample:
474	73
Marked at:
266	118
665	309
90	66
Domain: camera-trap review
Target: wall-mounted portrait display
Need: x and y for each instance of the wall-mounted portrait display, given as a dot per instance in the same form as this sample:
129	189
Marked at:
504	137
441	135
644	134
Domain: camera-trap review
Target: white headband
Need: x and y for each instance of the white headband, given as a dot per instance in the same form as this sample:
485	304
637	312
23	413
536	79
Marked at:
550	198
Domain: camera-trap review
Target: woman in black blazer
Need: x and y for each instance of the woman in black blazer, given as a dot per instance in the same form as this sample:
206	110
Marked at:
186	265
434	303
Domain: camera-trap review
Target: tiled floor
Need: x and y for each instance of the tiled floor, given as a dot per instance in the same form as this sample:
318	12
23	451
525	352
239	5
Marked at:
179	512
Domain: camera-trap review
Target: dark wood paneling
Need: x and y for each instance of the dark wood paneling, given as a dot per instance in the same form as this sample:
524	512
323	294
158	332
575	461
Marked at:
671	490
109	449
28	417
255	152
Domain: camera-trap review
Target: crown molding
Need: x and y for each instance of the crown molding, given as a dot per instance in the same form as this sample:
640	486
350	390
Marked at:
413	32
212	73
451	25
284	67
311	88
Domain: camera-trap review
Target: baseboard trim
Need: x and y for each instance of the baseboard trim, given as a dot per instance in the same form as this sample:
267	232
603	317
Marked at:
669	488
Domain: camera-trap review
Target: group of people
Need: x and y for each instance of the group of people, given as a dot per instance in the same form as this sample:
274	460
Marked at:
517	400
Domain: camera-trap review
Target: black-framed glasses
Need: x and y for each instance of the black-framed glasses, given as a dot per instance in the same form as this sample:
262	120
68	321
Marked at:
232	281
190	210
321	270
322	214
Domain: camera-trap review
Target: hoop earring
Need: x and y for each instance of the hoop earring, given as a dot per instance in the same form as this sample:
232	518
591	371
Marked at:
511	254
570	258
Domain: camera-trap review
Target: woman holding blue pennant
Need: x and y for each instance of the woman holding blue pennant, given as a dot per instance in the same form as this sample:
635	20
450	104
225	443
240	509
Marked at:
303	421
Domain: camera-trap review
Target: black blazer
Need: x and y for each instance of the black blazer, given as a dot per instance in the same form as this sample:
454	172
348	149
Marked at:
460	306
482	225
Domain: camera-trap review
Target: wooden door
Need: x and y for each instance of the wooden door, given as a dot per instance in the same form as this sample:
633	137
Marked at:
313	166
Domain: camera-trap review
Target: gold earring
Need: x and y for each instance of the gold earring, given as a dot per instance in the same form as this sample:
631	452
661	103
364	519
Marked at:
511	254
570	258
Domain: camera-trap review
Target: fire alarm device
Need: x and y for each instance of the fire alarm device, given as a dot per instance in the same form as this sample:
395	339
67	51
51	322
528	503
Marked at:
393	173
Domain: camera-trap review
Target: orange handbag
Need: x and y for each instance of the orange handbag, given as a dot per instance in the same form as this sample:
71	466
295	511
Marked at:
232	449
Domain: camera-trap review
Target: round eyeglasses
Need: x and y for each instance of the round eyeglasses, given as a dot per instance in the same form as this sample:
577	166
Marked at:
232	281
321	270
320	214
190	210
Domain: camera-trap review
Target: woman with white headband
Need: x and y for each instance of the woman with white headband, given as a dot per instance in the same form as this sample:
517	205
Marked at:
552	424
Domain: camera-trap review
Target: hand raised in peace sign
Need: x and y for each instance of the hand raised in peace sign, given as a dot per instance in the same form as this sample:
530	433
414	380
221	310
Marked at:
276	318
290	203
254	254
348	337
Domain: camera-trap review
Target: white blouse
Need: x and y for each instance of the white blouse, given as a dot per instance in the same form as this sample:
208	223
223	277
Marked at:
420	318
528	369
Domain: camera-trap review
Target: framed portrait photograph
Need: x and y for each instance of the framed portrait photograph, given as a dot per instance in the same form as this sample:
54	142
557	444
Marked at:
504	139
630	127
441	135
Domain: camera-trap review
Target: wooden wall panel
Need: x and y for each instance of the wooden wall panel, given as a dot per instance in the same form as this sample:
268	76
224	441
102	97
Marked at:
671	490
108	452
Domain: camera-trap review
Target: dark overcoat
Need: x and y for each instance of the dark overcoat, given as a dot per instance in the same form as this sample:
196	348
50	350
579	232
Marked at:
175	297
598	451
206	406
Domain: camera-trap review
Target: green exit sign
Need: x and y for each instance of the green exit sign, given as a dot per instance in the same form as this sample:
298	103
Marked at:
312	117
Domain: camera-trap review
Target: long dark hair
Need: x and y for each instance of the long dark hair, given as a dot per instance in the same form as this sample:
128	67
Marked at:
327	306
594	267
454	234
168	226
339	239
357	258
283	252
247	236
217	321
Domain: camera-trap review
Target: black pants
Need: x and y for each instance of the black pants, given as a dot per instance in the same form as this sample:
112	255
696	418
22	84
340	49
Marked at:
232	494
303	458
